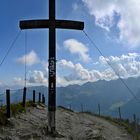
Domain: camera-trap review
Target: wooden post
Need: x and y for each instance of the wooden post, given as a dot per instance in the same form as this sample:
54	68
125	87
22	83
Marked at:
1	101
33	96
135	121
70	106
120	116
82	108
8	103
137	125
39	98
42	98
99	109
24	96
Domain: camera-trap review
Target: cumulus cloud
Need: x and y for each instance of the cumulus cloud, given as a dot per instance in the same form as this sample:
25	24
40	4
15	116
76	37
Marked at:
76	47
34	78
125	66
31	58
65	64
69	73
104	12
18	81
37	77
77	74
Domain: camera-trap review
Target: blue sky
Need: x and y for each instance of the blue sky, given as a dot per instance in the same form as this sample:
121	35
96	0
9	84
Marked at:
116	32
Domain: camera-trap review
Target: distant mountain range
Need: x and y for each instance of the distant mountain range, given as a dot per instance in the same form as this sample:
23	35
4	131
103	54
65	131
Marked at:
109	94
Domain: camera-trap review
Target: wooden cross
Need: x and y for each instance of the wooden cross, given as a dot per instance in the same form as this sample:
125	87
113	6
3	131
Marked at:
52	23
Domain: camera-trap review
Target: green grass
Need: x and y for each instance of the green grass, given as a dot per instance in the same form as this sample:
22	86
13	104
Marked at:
3	118
129	129
15	110
123	123
31	104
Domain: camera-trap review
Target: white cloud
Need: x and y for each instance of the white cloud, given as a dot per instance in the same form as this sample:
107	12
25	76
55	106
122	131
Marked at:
65	64
116	105
74	73
37	77
125	65
34	78
18	81
129	12
31	58
77	74
76	47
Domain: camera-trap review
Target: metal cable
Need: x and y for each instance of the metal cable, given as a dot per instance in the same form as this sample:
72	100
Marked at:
25	59
117	74
10	48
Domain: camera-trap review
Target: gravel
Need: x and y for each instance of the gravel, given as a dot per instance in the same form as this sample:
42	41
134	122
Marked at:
32	125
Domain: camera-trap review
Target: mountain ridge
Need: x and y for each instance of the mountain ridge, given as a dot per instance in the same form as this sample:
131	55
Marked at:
109	94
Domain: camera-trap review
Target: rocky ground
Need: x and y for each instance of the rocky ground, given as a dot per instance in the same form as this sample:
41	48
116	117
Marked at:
32	125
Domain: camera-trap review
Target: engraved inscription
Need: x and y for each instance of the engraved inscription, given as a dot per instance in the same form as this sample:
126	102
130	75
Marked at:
52	67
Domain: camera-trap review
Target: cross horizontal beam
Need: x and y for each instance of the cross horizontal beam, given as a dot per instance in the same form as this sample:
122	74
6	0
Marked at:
60	24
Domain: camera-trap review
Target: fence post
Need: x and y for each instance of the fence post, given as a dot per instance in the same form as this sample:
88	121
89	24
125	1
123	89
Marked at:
8	103
39	97
24	96
70	106
137	126
42	98
135	122
82	108
1	103
120	116
99	109
33	96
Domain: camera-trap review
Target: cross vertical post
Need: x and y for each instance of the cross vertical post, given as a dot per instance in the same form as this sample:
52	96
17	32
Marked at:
52	69
52	23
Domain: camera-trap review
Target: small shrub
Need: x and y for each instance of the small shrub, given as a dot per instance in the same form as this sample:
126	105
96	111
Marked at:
30	104
17	108
3	118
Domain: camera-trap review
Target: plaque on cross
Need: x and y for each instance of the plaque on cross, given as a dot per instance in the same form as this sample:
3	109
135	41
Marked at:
52	24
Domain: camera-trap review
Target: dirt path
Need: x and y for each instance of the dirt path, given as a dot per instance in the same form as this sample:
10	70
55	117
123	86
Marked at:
73	126
82	126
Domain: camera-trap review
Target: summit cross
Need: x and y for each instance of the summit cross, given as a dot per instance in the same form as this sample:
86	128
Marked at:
52	23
